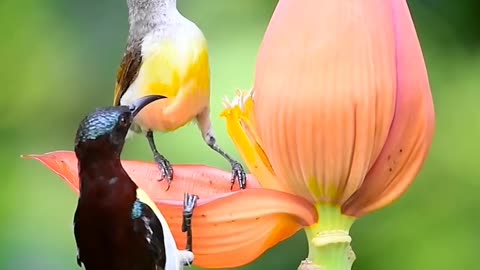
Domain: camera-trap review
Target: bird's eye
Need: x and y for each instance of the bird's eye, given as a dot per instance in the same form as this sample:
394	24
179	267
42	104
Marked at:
123	120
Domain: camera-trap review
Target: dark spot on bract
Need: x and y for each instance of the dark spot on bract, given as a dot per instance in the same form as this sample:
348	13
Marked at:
389	157
390	169
401	150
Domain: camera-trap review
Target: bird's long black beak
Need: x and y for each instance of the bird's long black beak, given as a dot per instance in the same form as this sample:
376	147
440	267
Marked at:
139	104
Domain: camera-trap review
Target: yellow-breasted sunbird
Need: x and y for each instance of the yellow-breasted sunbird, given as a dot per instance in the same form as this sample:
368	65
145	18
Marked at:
167	54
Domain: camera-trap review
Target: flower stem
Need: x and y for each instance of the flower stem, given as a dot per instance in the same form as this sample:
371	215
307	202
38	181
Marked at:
329	240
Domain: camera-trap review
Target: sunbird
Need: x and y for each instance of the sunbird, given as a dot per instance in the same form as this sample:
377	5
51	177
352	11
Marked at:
167	54
116	225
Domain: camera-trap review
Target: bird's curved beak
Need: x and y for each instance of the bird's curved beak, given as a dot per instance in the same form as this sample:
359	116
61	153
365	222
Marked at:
140	103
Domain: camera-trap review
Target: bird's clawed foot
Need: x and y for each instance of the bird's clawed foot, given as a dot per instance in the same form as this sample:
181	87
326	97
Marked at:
163	164
238	173
165	167
189	203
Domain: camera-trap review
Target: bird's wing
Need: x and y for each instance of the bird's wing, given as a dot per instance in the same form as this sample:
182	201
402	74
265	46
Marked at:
146	223
128	71
176	259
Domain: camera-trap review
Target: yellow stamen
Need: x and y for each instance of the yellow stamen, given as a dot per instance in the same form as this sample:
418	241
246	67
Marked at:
241	128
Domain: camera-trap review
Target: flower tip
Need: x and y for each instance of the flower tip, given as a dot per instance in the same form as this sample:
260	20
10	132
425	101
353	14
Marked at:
227	107
36	156
62	163
227	104
28	156
58	155
239	102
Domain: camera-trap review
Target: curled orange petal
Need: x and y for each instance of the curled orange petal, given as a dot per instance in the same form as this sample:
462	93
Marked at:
230	228
235	229
411	132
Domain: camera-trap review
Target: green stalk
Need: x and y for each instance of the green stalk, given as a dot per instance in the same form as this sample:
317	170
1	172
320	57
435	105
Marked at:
329	240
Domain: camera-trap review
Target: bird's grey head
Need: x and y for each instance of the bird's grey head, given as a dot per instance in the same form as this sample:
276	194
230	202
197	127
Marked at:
149	4
105	129
144	15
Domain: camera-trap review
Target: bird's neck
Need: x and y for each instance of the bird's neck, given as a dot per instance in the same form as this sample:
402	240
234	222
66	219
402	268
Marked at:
101	176
149	15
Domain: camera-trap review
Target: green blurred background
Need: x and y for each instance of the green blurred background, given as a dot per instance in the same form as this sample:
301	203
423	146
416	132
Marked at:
59	59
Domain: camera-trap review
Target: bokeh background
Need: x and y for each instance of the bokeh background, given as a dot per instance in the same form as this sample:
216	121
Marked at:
59	59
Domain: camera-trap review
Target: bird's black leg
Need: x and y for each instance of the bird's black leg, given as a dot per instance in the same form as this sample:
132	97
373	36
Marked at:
237	170
162	162
189	203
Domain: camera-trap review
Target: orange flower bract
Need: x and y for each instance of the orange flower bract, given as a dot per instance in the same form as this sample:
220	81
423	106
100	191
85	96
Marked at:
341	111
225	223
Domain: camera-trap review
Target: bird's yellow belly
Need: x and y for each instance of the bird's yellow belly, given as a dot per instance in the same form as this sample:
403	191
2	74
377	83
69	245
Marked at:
183	77
170	114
